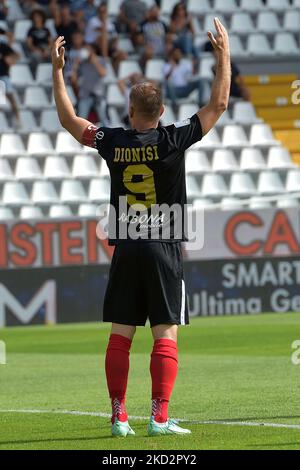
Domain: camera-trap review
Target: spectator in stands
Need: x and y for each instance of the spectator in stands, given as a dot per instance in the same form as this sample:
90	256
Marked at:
64	23
155	36
181	26
3	10
39	40
238	87
77	53
6	36
89	10
180	79
9	57
132	15
87	77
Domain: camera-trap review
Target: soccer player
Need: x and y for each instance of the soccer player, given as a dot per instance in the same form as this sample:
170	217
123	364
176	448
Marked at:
146	280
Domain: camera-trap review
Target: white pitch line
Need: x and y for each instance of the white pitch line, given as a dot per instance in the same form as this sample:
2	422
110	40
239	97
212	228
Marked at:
144	418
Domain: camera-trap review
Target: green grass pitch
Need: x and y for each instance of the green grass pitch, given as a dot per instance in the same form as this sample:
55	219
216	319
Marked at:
232	370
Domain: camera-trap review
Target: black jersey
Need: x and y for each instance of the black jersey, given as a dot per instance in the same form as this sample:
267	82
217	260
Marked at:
148	181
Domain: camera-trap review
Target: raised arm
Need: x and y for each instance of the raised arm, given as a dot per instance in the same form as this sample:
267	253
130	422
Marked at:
75	125
218	103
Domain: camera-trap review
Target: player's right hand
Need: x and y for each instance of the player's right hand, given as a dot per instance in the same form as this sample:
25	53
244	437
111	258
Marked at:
220	42
58	53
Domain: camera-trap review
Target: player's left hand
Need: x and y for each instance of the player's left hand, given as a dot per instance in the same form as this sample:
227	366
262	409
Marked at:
58	53
220	42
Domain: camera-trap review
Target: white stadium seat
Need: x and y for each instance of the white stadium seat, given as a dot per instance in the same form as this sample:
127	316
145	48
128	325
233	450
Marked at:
278	5
114	96
234	136
15	194
50	121
279	158
268	22
114	117
28	169
99	190
242	185
244	113
11	146
15	11
262	135
229	6
214	186
6	214
21	75
209	24
257	203
39	144
293	181
259	45
154	69
167	6
269	183
128	67
84	167
291	21
6	172
252	160
236	46
21	29
67	145
193	188
231	204
44	193
31	212
4	126
205	68
87	210
168	117
242	23
59	211
286	44
44	74
104	170
36	98
224	161
210	141
28	121
252	5
202	203
196	162
198	8
288	202
114	7
186	111
72	192
56	168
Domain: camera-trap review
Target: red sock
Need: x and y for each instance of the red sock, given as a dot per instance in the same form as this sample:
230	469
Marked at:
163	368
117	367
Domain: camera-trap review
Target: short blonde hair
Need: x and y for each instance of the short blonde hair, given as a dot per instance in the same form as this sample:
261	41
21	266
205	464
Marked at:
147	99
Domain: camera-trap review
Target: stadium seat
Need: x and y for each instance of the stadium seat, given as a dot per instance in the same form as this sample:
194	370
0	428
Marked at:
35	98
285	44
28	169
44	193
154	70
234	136
253	6
28	122
50	121
31	212
210	141
15	12
67	145
128	67
15	194
186	111
261	135
252	160
72	192
205	68
196	7
4	126
6	214
291	21
229	6
269	183
114	96
56	168
6	172
209	21
59	211
236	46
278	5
244	113
125	44
99	190
21	29
293	181
231	204
242	23
257	203
21	75
224	161
39	144
196	162
279	158
193	188
104	170
114	7
224	120
168	117
114	117
268	22
44	74
288	202
242	185
214	186
87	210
11	146
71	95
202	203
167	6
84	167
258	45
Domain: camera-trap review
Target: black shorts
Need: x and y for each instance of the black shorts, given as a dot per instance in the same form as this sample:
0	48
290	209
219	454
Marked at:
146	281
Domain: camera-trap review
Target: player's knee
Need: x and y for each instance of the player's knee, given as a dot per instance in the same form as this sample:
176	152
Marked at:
165	332
123	330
